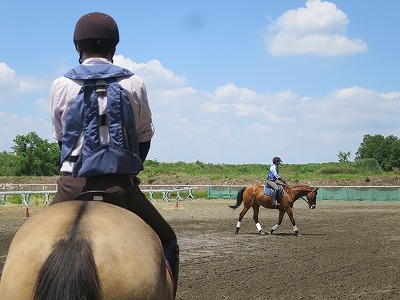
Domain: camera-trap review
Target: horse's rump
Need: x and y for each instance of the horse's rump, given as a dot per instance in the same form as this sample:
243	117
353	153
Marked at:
85	250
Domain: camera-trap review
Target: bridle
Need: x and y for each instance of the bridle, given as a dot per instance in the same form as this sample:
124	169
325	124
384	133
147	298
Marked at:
309	203
302	197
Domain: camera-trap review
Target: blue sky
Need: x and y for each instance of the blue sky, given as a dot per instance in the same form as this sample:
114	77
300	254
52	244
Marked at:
228	81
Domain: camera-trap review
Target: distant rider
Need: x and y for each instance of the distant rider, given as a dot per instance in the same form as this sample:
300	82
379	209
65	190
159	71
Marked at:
273	176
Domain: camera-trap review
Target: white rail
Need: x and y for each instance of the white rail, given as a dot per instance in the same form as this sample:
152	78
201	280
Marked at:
166	192
26	195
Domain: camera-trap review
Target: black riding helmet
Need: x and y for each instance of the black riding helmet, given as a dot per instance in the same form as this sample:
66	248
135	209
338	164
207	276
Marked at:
96	25
276	159
96	30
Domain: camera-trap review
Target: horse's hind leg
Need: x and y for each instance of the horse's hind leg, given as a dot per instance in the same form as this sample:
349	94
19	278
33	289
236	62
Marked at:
256	210
241	215
275	227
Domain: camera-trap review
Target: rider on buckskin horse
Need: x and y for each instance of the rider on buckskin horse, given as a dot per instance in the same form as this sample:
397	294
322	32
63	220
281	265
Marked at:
273	176
103	124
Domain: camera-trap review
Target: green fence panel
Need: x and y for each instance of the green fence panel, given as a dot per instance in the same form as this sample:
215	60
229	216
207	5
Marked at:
332	193
344	193
229	192
359	193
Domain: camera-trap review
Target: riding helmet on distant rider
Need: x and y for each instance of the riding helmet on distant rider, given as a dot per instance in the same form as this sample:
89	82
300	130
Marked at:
276	160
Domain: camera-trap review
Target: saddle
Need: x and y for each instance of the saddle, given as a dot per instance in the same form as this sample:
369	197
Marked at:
270	192
102	196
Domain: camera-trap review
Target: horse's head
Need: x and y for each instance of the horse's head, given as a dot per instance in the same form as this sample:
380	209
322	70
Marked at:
312	198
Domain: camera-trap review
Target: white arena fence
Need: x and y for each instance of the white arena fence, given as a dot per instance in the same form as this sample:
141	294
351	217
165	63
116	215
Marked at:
171	193
167	192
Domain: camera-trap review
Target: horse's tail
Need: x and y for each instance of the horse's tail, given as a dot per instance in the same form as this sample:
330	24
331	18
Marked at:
239	199
69	272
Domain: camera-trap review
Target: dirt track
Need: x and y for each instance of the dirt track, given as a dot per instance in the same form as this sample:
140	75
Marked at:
347	250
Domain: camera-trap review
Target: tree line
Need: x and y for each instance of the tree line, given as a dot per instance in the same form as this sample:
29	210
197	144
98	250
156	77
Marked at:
34	156
31	156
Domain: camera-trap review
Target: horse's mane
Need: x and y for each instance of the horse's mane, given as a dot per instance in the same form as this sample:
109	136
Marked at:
298	187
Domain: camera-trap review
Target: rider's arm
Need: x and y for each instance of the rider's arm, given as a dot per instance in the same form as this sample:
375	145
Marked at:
144	148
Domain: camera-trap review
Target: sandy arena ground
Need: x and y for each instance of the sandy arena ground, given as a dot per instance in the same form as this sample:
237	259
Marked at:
347	250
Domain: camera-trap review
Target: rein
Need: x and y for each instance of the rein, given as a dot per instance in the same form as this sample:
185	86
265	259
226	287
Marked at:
304	199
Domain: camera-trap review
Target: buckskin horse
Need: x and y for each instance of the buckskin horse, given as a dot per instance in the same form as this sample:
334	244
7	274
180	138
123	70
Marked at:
85	250
253	196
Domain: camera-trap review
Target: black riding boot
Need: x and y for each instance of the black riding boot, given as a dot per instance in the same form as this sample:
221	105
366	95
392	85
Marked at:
275	198
172	255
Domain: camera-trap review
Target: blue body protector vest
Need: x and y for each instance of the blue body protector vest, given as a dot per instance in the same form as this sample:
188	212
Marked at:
121	154
271	175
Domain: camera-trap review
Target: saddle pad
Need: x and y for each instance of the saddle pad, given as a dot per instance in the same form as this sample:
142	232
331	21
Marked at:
170	271
268	191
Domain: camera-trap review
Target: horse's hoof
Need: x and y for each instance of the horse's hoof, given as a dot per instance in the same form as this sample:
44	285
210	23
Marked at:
271	232
297	233
261	232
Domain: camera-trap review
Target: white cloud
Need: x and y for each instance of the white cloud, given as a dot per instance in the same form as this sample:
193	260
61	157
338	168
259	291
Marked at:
152	72
233	124
391	96
230	91
215	108
319	28
13	85
7	75
239	120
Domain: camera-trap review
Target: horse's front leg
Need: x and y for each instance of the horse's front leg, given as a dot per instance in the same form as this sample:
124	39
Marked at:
291	217
275	227
256	210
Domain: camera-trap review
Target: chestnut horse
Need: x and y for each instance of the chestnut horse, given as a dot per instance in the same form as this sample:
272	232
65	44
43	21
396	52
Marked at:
85	250
253	196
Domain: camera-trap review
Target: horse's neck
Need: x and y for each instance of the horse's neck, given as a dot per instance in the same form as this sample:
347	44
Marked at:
298	191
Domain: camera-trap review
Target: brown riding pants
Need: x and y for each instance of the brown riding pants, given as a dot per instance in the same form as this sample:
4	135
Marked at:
126	186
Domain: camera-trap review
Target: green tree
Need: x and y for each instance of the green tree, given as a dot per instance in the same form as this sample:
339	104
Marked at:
35	156
7	164
386	150
393	160
344	156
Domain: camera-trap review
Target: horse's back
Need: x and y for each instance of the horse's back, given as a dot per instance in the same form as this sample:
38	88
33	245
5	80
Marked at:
254	189
128	254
